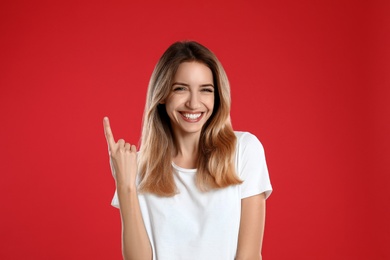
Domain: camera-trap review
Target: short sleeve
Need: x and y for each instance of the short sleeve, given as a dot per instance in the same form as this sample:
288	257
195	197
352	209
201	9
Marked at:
115	201
251	166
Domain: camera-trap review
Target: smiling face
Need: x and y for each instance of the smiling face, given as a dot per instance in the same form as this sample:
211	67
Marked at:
191	100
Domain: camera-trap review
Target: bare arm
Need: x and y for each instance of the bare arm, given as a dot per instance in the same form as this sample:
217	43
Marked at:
135	241
250	237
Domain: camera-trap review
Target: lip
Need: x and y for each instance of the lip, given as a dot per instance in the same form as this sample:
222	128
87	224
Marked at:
191	120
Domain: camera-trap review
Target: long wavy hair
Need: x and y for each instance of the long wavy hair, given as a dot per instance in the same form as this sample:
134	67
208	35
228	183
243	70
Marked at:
217	143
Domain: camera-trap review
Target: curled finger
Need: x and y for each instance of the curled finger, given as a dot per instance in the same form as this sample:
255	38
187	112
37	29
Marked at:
121	143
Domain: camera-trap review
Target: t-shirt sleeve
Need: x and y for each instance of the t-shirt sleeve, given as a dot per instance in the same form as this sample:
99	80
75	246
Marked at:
115	201
252	166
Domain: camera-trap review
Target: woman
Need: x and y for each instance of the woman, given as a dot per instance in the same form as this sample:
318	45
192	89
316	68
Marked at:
196	189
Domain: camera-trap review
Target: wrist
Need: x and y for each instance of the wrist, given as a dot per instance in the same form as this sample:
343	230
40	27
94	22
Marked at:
126	189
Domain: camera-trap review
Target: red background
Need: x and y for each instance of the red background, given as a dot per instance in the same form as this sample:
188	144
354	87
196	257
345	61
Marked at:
309	78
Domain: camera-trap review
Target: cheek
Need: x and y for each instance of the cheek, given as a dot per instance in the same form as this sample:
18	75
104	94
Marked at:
170	108
210	102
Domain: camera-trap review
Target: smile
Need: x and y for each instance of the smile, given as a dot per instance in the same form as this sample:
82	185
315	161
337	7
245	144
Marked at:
193	117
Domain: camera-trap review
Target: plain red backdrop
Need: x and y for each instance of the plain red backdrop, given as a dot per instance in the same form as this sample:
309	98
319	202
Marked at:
309	78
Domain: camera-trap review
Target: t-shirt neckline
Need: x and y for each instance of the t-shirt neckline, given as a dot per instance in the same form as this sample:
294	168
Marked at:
183	169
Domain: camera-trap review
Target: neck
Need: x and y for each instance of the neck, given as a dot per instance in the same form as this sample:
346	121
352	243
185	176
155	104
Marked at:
186	152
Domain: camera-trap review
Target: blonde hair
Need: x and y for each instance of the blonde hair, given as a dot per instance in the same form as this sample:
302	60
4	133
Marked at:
216	153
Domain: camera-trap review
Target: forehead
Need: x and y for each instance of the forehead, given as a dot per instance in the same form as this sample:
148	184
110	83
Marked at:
193	71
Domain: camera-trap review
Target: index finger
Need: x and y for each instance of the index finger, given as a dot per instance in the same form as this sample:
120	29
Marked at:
108	133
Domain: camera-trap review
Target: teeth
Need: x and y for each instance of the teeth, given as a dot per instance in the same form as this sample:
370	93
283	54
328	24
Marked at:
192	116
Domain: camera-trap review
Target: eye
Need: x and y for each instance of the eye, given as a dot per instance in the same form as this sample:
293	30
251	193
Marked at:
209	90
179	88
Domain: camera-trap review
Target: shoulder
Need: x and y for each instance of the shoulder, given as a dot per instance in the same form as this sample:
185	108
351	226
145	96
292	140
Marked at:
251	165
247	139
249	152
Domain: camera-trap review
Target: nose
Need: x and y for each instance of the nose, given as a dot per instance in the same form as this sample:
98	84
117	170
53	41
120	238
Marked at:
193	101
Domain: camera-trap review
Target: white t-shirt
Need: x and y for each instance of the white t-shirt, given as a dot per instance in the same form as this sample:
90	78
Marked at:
195	225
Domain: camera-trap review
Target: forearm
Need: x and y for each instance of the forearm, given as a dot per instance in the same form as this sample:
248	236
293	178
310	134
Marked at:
252	223
135	241
256	257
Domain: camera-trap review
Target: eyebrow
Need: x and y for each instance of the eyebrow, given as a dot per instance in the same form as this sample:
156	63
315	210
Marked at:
187	85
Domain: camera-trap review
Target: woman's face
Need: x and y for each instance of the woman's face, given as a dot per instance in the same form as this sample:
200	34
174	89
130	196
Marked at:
191	99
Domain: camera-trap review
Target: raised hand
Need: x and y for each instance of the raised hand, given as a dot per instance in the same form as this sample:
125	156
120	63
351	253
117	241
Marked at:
123	158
